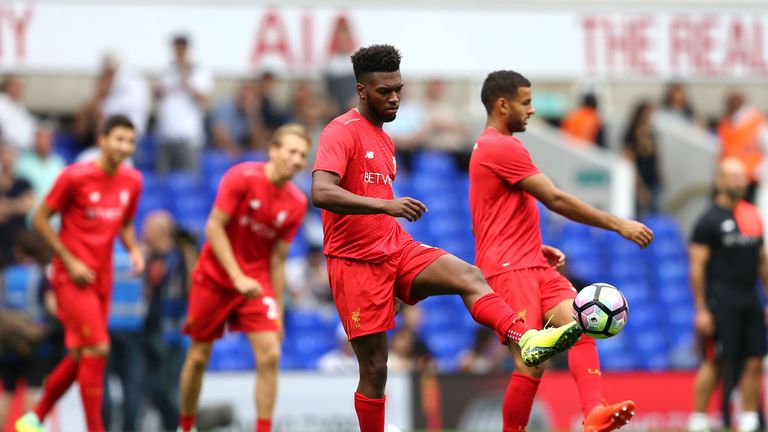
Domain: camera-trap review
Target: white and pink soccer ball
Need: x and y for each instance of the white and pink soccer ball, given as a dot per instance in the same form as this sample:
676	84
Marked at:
601	310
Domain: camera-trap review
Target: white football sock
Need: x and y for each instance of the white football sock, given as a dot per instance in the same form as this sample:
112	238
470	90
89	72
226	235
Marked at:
698	422
749	421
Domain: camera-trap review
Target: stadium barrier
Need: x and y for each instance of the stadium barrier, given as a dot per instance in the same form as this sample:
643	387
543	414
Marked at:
316	402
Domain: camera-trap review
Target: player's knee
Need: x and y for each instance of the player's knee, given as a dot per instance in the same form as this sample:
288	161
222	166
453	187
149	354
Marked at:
100	350
198	358
269	358
474	280
375	373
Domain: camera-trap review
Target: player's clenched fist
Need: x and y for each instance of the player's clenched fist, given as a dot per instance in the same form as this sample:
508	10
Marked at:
248	287
406	207
636	232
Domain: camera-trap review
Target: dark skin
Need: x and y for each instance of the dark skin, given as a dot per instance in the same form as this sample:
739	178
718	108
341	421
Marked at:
379	98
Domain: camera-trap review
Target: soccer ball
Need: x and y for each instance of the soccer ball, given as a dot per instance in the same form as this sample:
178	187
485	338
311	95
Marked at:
601	310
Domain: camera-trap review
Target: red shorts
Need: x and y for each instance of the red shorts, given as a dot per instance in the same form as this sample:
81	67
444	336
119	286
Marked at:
365	292
533	291
213	307
84	314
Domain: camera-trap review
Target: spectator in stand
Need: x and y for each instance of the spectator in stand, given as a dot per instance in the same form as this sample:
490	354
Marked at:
170	257
339	78
16	201
342	359
446	128
485	356
308	281
182	95
271	115
40	165
119	91
584	123
402	351
743	135
641	147
676	102
38	340
311	111
17	124
236	122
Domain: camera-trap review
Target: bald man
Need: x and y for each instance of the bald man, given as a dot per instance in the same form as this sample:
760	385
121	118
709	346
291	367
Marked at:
727	257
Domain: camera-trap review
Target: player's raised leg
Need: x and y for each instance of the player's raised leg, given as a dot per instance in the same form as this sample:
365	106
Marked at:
450	275
195	364
371	351
266	351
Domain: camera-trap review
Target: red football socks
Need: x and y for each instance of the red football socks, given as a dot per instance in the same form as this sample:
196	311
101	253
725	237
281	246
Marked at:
585	369
492	311
186	422
263	425
518	401
90	376
57	383
370	413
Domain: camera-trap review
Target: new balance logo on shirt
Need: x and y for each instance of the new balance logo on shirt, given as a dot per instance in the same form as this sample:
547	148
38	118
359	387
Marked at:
369	155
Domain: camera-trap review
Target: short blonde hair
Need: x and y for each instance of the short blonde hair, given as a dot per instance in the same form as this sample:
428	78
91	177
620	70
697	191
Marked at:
290	129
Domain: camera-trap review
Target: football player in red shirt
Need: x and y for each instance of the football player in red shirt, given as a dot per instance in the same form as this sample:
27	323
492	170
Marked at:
372	260
504	185
239	279
97	201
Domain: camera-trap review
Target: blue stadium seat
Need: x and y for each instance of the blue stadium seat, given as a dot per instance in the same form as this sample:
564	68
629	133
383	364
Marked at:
190	205
215	162
254	156
181	183
20	285
436	163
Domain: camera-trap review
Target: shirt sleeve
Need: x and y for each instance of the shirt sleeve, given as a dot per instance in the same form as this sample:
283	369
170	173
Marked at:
231	191
703	232
291	229
510	162
334	150
61	193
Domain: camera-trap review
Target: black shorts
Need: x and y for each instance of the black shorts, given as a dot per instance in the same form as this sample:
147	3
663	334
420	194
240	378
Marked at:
740	332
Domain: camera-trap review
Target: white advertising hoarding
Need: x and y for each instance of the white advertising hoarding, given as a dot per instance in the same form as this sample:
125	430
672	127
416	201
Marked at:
453	41
307	402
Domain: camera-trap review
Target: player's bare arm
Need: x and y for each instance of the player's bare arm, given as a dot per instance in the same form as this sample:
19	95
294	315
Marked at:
565	204
80	273
217	237
128	238
699	255
329	195
277	277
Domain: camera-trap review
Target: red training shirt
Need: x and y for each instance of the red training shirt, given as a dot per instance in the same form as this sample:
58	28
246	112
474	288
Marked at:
94	206
363	155
260	215
505	219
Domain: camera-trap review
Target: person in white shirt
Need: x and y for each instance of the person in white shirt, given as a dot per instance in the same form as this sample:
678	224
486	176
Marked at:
183	92
128	94
17	124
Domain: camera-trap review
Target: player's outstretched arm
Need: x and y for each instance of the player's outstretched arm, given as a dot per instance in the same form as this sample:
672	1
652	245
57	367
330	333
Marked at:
329	195
80	273
215	231
563	203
